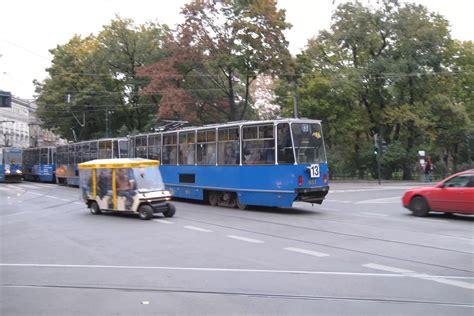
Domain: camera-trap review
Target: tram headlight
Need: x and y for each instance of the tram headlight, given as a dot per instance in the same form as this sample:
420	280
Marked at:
7	171
18	171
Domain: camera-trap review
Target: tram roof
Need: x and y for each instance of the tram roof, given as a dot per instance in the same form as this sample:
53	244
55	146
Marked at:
119	163
94	140
235	123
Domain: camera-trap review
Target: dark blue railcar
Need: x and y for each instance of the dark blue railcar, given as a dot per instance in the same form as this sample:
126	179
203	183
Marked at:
39	164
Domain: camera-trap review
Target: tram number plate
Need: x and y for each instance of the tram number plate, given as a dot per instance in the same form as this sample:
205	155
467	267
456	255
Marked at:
314	171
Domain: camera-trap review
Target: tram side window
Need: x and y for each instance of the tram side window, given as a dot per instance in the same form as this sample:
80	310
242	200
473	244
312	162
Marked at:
141	150
258	144
71	154
105	149
44	156
285	146
170	156
93	150
123	148
187	145
51	155
86	156
154	147
229	146
206	147
115	149
59	155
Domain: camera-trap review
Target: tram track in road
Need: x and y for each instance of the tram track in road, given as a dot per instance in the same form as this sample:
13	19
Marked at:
345	234
242	293
328	245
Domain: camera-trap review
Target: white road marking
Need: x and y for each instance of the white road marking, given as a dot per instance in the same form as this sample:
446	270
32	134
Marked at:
373	189
163	221
52	197
308	252
35	193
198	229
4	189
330	209
339	273
65	200
338	201
389	200
246	239
19	213
413	274
374	214
31	186
16	187
427	220
79	203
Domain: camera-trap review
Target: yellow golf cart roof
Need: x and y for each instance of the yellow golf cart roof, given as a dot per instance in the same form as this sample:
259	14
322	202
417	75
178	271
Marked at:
119	163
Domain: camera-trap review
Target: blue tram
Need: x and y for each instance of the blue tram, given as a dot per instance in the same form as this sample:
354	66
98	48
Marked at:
68	156
267	163
39	164
11	162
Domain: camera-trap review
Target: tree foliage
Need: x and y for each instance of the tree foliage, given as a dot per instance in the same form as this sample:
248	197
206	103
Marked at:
391	71
214	57
99	75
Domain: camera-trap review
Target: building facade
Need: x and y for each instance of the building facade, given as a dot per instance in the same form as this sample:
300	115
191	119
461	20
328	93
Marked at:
20	127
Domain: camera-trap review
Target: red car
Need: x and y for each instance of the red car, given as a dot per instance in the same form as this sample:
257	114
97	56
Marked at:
454	194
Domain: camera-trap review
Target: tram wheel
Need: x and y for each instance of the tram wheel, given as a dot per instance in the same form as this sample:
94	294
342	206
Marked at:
213	198
171	210
94	208
240	205
145	212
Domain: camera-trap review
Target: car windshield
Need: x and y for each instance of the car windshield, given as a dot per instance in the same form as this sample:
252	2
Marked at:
148	179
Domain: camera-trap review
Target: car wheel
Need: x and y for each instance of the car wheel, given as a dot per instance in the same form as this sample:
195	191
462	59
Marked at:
94	208
213	198
171	210
419	206
145	212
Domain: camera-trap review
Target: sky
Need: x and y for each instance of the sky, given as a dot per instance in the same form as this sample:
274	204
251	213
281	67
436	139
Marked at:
30	28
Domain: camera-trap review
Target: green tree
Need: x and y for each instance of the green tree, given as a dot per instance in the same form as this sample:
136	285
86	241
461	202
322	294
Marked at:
71	100
98	73
217	53
389	70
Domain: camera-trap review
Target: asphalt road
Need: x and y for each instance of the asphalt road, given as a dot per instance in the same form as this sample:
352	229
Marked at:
360	253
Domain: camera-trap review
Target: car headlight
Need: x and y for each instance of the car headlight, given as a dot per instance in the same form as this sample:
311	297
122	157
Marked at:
18	171
7	171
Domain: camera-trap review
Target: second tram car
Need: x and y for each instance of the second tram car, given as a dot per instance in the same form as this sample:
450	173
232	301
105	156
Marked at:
68	156
268	163
39	164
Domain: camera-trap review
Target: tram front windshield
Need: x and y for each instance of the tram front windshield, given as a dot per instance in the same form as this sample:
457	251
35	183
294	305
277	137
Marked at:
148	179
308	142
12	157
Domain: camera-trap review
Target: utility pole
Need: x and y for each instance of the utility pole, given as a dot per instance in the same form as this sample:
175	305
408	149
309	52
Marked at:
295	100
106	123
377	152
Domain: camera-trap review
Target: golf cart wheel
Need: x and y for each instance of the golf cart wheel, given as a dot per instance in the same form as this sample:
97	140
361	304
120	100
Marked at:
171	210
145	212
94	208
